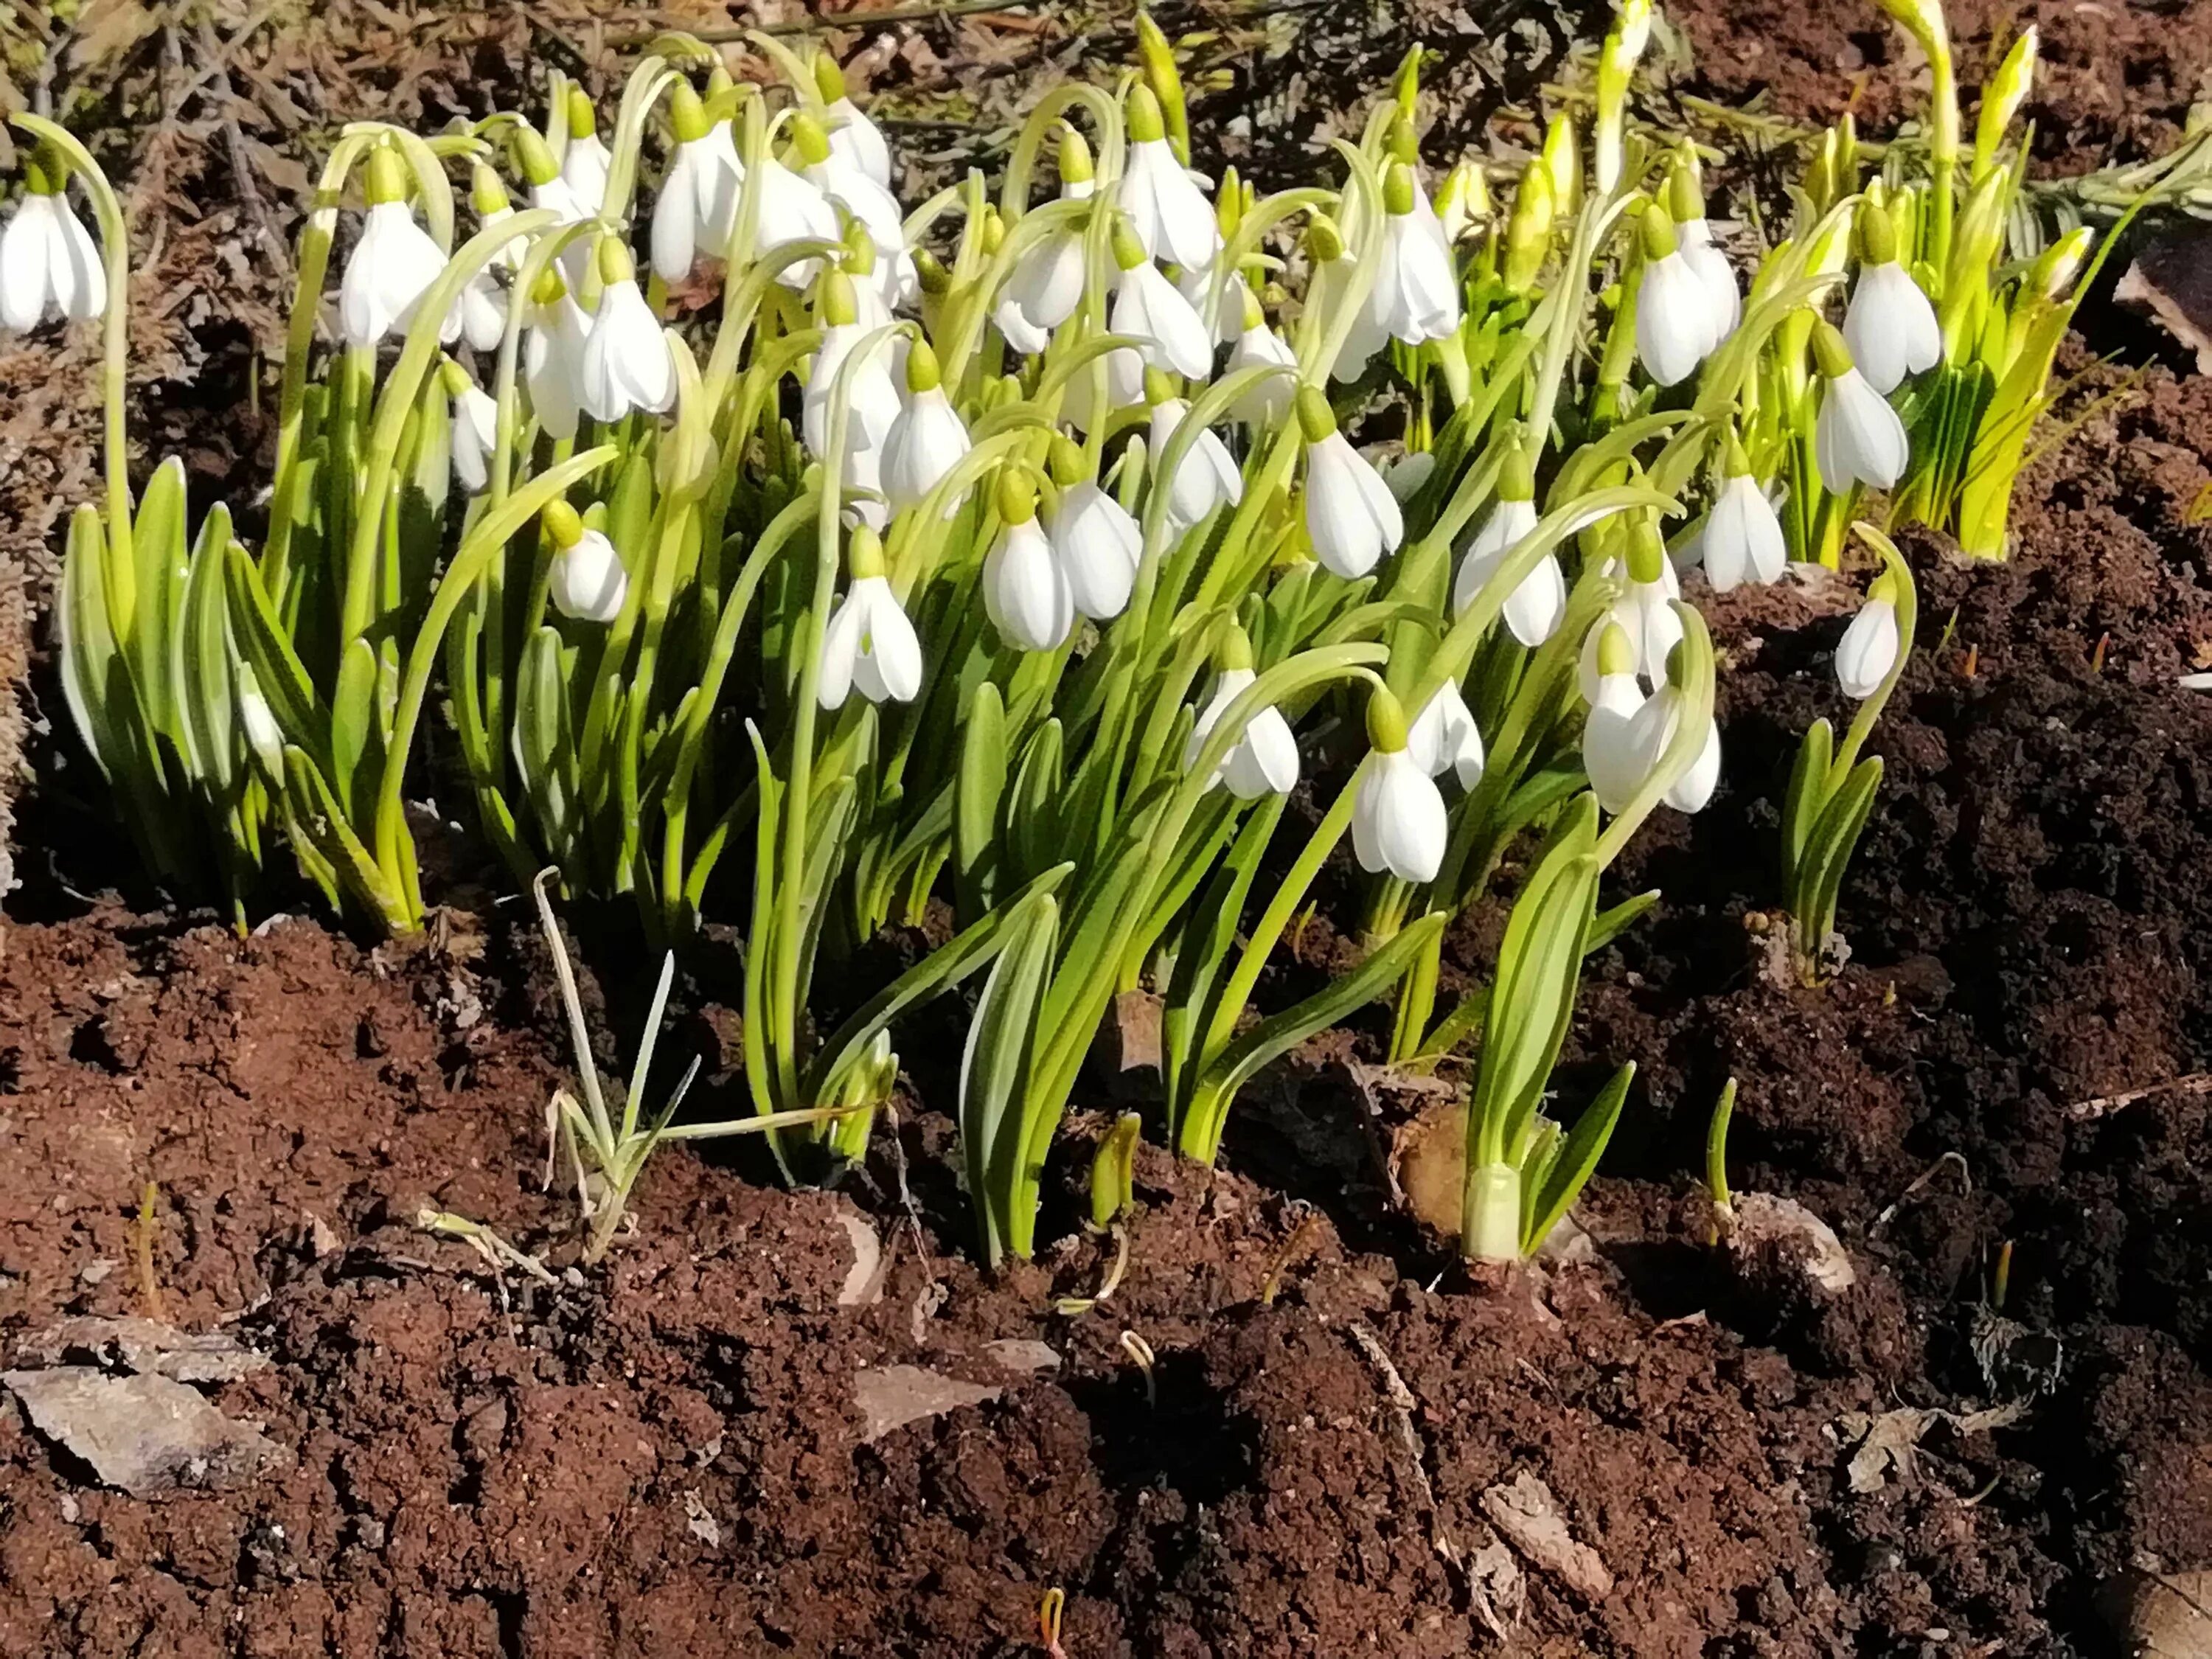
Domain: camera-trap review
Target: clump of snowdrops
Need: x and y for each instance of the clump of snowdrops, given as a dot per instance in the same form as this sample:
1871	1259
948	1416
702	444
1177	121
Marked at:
741	539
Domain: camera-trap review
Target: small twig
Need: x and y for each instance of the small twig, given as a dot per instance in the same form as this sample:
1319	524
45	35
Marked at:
1403	1405
1966	1177
2087	1111
490	1245
148	1228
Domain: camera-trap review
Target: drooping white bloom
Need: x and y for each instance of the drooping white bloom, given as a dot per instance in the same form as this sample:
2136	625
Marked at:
1532	611
928	439
1617	754
1857	437
852	134
1890	327
1148	308
698	206
394	263
1171	217
877	212
1046	284
1125	384
553	358
474	433
1704	256
1397	822
49	264
1351	518
1868	650
1416	292
627	363
794	211
1099	545
585	165
1443	738
868	642
1264	759
1261	347
1648	622
1676	324
1742	540
263	735
482	305
875	404
1207	477
1694	788
1222	314
587	580
1024	590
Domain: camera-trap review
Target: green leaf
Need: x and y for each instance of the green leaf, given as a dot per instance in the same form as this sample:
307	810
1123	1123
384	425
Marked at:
354	738
1280	1033
89	652
1033	838
1206	938
1829	851
939	970
1610	924
157	541
1577	1158
200	663
978	788
993	1071
1113	1171
263	642
1808	793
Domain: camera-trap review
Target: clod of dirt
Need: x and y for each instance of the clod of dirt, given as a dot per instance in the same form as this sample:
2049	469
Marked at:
143	1434
1891	1441
1771	1231
891	1396
2172	279
146	1346
1137	1027
1428	1159
1528	1517
2163	1616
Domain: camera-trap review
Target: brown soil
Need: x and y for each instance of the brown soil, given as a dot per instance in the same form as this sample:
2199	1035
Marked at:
668	1455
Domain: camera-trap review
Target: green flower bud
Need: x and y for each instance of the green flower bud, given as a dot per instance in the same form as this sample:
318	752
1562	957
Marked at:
1324	241
1386	722
1657	228
1562	159
1015	495
1517	475
1128	251
687	114
828	78
1614	654
1398	191
834	306
616	264
1234	650
1076	166
387	177
929	271
562	525
1830	355
1142	114
536	157
1647	550
810	139
1066	464
581	123
487	190
1529	233
1316	418
1159	387
1877	235
864	553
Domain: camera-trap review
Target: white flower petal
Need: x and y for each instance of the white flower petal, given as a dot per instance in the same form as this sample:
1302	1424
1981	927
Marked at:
1868	650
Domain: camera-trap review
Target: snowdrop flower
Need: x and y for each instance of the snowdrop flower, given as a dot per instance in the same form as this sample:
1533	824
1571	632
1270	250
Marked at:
1046	284
874	406
587	580
698	202
1148	308
1675	327
475	428
853	136
1889	326
1259	346
1096	542
1125	384
1653	728
1166	209
1643	615
1397	822
1463	201
1416	292
553	356
793	209
927	440
50	267
1857	437
584	166
1742	541
1025	591
1221	317
1867	650
1693	238
1264	759
1206	477
1351	518
263	735
868	642
482	304
1533	610
1405	152
551	193
627	362
1617	754
1443	738
849	187
392	265
1366	335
